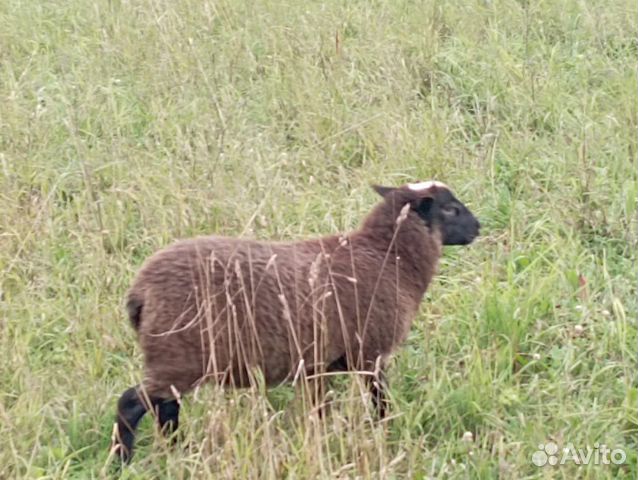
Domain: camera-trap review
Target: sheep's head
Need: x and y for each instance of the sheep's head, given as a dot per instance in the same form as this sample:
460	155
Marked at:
439	209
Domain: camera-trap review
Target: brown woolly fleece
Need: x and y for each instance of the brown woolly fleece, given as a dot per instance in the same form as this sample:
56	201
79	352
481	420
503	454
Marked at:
214	308
218	309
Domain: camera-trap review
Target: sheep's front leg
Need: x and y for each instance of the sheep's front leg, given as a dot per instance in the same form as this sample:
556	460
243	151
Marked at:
315	392
378	385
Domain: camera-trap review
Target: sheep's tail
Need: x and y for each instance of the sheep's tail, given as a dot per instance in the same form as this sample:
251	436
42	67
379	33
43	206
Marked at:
134	305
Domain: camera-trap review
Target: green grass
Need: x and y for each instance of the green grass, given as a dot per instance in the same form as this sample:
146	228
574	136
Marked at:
125	125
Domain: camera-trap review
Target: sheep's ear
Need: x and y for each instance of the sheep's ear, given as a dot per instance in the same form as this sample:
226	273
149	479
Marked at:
383	191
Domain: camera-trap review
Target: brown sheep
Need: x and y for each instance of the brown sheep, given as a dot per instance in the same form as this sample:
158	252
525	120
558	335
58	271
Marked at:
215	308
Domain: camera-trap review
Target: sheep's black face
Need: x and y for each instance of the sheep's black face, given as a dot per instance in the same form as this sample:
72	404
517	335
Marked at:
457	224
438	208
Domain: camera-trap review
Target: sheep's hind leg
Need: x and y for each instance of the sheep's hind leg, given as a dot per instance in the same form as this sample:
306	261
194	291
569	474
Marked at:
168	416
131	408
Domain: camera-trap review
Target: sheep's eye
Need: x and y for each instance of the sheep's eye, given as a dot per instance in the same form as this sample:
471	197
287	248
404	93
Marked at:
451	210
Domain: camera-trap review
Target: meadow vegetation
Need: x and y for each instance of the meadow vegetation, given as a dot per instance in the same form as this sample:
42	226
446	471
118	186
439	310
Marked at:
127	124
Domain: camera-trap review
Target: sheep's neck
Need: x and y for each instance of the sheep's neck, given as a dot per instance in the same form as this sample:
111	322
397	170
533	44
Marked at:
411	246
419	251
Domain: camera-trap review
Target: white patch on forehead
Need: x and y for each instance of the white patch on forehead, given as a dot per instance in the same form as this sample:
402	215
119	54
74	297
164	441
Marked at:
426	185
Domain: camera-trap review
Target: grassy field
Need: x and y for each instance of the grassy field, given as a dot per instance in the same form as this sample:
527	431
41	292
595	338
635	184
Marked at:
127	124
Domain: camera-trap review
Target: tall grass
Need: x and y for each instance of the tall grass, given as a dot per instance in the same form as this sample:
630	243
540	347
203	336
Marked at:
125	125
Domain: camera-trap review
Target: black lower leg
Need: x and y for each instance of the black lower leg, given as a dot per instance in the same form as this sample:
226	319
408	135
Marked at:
339	365
130	410
168	416
378	387
131	407
317	386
